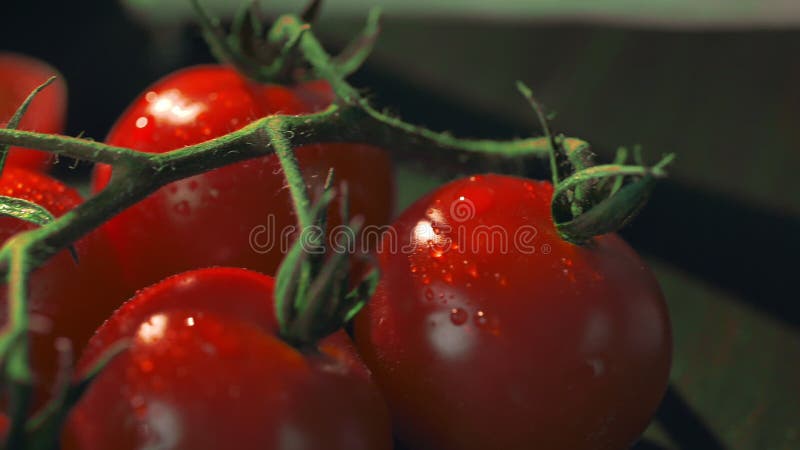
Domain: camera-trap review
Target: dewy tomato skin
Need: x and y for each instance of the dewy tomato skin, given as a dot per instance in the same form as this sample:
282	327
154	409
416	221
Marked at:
205	370
211	219
66	299
544	345
19	76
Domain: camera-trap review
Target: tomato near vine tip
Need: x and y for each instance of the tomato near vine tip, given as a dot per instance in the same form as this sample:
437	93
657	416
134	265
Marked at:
490	331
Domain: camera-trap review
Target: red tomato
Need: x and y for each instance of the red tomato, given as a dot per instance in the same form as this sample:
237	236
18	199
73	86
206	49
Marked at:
66	299
208	219
537	343
205	370
19	75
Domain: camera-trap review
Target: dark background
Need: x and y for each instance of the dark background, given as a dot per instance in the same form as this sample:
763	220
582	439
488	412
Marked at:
723	234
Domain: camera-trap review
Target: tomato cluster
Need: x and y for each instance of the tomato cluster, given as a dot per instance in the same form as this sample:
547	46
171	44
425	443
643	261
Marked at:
487	330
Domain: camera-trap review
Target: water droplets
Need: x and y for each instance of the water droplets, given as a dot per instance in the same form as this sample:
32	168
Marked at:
447	277
567	270
487	323
182	208
458	316
146	365
429	294
472	270
139	406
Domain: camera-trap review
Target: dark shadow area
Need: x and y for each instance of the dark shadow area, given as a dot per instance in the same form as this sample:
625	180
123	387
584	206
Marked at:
743	249
683	425
648	445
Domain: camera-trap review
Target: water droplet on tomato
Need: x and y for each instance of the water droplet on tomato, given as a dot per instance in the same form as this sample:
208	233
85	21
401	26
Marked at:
458	316
448	278
436	252
139	405
414	269
426	280
182	208
597	365
146	365
193	185
480	318
429	294
472	270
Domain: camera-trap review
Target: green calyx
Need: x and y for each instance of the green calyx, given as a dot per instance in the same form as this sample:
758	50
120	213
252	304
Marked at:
269	55
589	199
602	199
313	297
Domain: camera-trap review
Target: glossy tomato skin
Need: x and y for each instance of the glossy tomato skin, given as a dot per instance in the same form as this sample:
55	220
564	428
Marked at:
67	300
205	370
211	219
542	345
19	76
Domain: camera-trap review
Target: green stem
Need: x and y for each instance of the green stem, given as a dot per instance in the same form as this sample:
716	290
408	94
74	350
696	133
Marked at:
292	173
551	144
17	117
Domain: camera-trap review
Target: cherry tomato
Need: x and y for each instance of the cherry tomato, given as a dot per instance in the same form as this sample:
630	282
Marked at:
236	215
205	370
67	299
490	331
19	75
